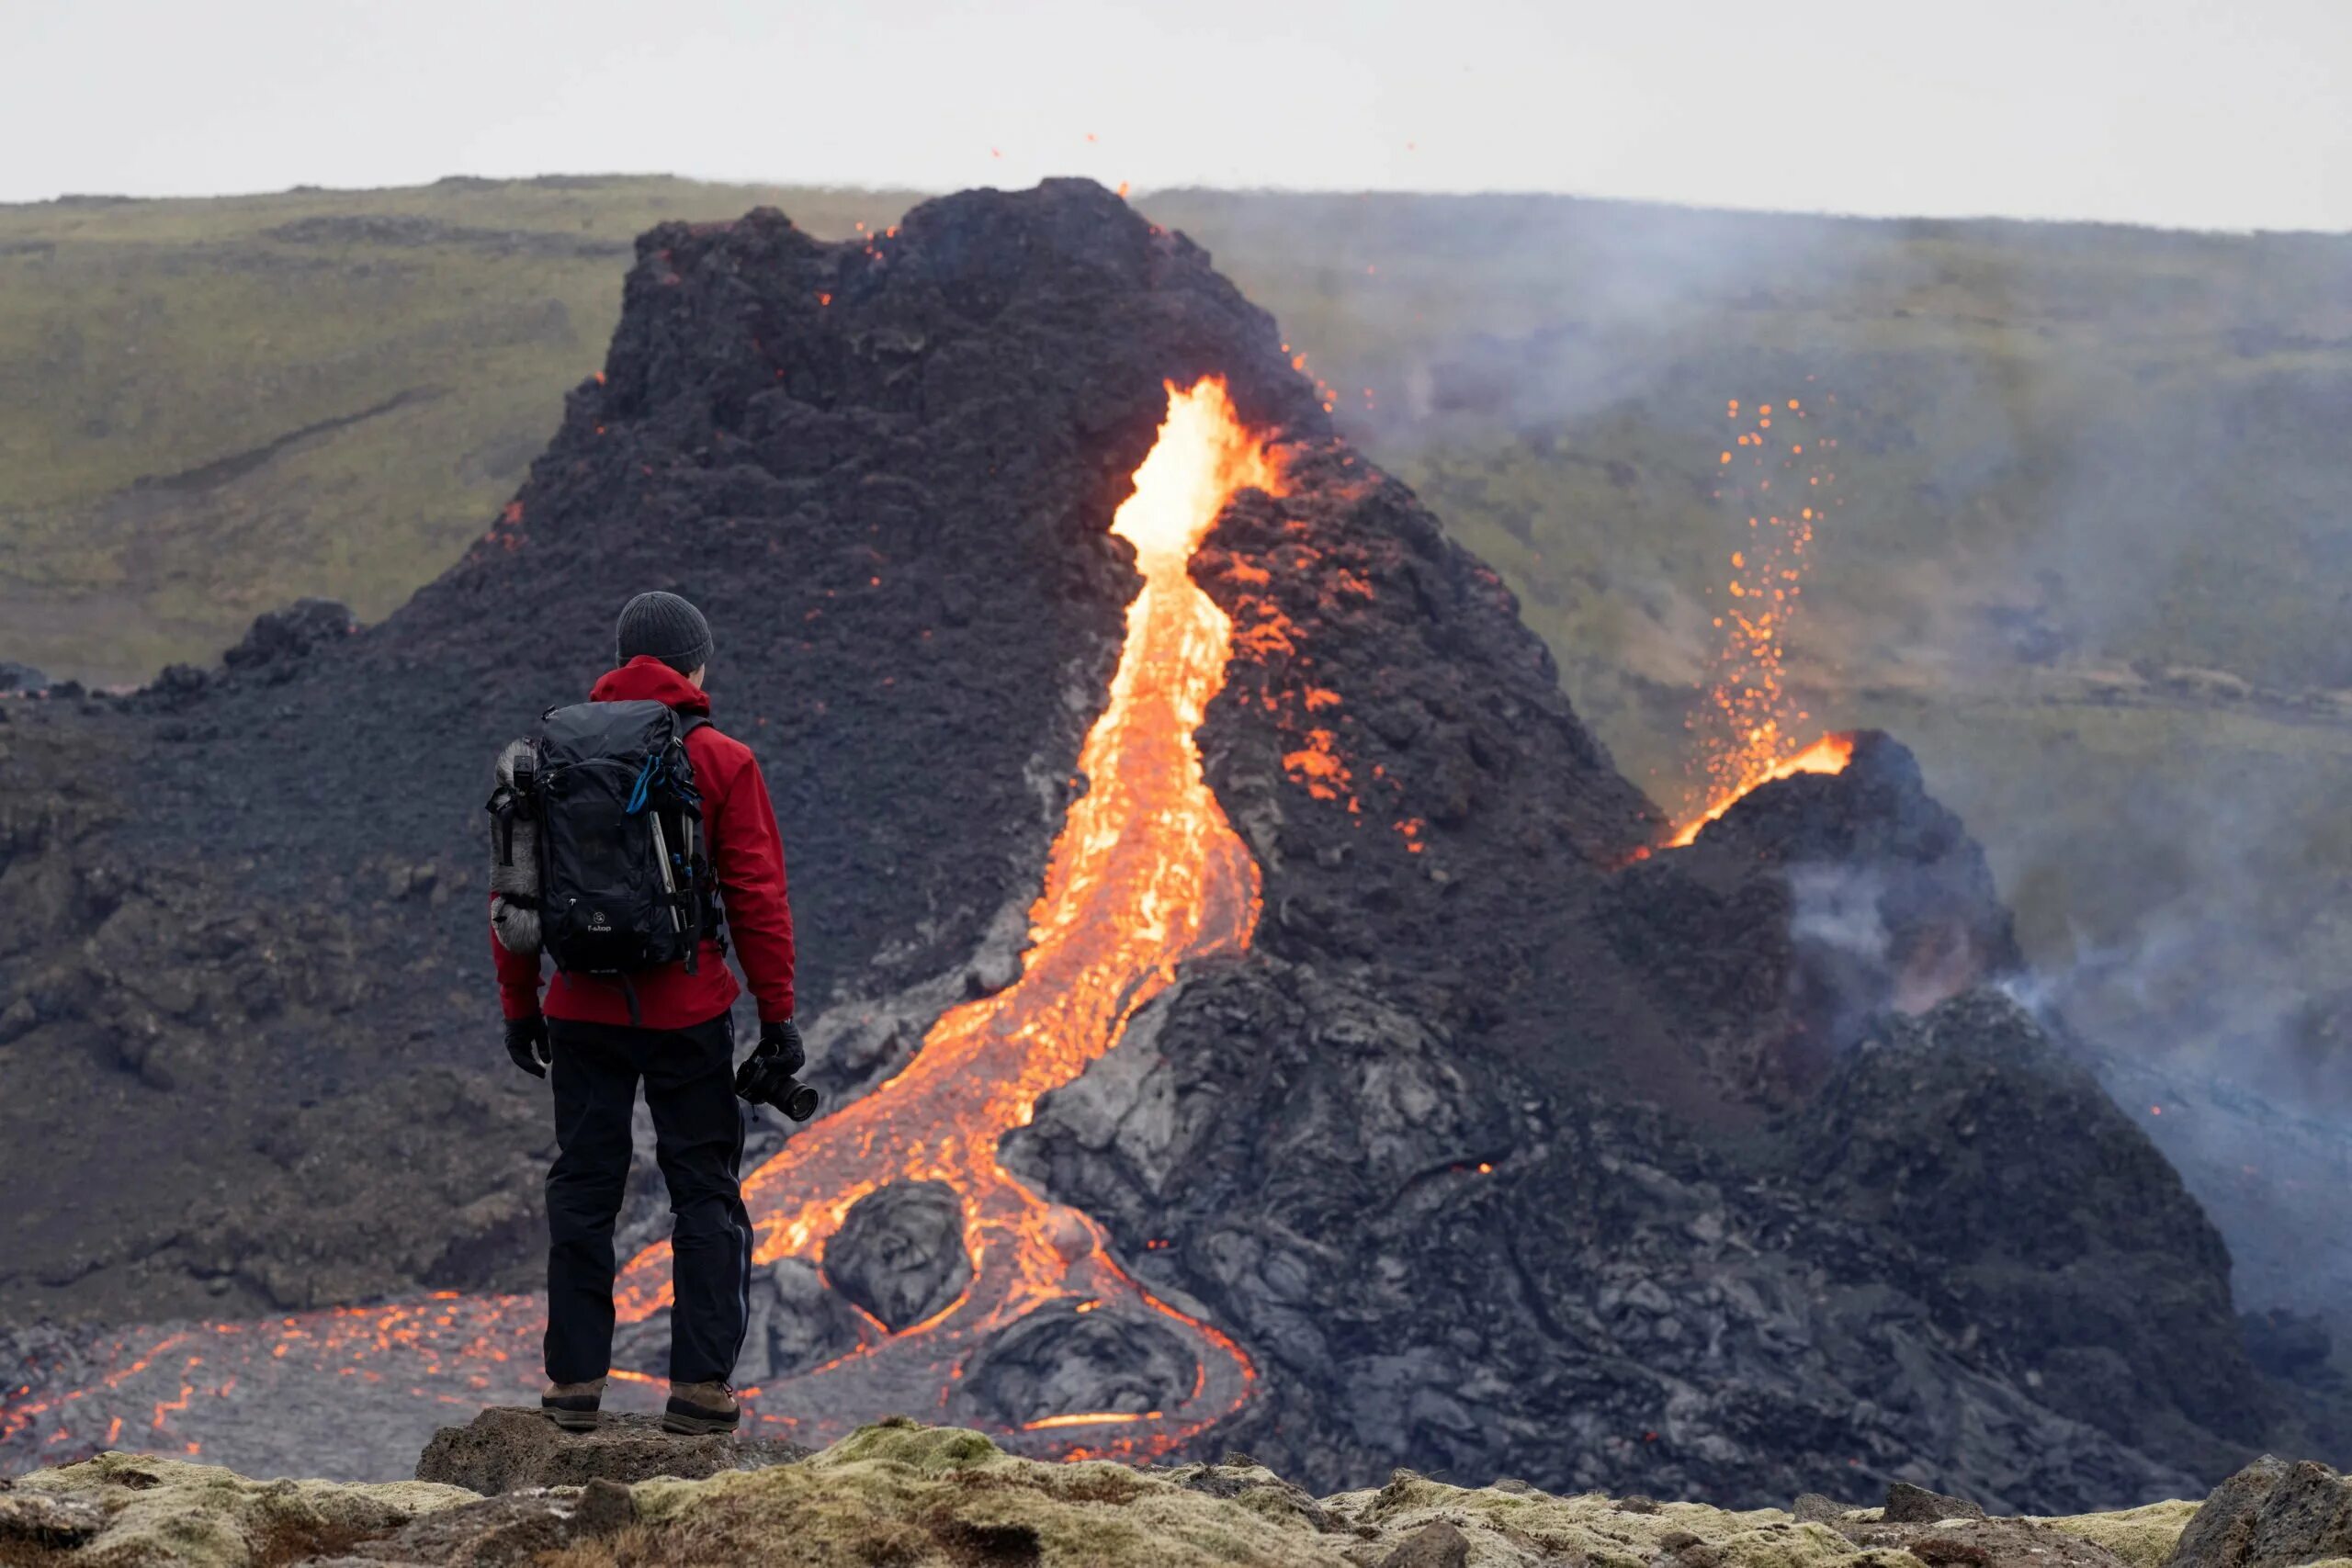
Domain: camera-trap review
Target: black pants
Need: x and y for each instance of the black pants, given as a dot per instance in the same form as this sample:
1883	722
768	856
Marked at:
699	1140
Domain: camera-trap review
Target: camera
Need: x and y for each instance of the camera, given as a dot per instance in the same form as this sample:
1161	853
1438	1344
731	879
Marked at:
764	1081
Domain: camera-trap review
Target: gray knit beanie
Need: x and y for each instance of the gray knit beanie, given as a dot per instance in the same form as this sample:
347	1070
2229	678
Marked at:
667	627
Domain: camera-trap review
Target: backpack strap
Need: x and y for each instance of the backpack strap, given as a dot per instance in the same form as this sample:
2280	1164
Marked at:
703	895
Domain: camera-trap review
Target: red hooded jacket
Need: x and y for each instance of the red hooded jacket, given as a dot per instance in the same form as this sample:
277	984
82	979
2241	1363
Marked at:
747	856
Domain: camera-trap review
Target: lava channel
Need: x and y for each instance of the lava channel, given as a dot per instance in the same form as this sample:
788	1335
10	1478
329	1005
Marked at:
1146	876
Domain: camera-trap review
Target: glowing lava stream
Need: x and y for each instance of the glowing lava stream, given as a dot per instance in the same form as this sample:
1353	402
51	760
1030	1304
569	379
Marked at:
1146	875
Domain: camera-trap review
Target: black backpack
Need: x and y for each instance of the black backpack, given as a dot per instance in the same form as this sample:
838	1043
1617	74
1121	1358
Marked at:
601	802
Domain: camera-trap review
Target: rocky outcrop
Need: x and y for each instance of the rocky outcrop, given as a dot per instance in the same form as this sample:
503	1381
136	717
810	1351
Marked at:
1909	1505
1391	1221
2054	1227
282	636
515	1450
2270	1515
32	1522
142	1511
903	1494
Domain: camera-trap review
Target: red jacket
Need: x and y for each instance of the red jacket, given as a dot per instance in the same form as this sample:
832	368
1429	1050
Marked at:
746	854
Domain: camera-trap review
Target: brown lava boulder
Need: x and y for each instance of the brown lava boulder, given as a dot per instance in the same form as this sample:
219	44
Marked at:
507	1449
2270	1515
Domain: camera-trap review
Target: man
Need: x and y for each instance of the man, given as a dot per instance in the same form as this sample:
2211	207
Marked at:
675	1033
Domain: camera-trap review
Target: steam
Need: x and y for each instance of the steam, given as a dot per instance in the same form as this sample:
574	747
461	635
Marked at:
1840	943
1836	909
1848	962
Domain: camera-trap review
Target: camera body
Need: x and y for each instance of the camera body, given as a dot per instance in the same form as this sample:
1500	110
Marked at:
763	1080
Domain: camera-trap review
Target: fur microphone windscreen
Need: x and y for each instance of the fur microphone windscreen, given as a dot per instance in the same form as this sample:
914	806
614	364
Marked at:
517	925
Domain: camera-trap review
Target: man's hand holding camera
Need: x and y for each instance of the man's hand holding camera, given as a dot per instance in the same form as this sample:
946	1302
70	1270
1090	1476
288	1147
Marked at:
766	1075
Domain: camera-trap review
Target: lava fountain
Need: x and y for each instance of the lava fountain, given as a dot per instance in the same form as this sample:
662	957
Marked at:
1146	876
1745	729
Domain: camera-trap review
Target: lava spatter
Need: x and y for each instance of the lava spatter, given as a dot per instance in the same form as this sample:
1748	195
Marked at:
1750	720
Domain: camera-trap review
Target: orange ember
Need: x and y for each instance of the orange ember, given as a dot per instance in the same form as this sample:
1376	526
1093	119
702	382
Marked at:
1146	875
1750	722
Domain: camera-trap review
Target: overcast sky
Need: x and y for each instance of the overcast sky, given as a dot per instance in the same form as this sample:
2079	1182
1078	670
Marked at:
2196	113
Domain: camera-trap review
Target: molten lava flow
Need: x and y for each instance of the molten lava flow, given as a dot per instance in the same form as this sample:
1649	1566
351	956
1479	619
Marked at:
1747	727
1827	755
1146	875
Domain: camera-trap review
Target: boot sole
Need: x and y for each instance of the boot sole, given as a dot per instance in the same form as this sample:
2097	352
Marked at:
697	1426
575	1420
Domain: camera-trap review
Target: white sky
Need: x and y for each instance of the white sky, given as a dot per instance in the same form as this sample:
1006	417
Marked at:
2196	113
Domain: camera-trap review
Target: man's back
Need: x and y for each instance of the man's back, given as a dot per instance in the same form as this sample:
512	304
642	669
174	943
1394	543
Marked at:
747	858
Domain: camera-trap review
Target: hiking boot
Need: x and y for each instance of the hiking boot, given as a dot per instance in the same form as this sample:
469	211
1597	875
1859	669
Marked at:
574	1406
698	1409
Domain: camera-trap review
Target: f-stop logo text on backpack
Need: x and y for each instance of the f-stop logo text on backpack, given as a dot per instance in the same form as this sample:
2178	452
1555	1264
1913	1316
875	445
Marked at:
596	857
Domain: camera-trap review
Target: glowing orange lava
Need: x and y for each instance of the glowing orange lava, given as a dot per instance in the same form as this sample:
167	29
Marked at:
1146	876
1750	720
1827	755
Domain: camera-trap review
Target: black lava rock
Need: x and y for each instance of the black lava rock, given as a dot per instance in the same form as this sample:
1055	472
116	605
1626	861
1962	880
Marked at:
1058	1360
2270	1515
899	1252
2067	1238
288	633
1909	1505
505	1450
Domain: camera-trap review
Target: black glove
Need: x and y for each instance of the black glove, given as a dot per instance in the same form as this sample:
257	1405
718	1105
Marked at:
526	1042
781	1043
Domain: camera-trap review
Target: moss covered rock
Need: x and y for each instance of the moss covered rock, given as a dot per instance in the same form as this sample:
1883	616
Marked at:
2143	1537
156	1510
907	1495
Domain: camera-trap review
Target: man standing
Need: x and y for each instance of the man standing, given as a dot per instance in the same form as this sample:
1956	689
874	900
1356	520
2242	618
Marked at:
597	1036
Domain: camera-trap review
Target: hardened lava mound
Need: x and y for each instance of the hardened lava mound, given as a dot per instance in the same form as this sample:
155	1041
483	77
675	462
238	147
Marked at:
1467	1126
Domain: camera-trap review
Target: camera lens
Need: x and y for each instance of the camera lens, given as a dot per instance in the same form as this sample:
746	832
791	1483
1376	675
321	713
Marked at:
798	1100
